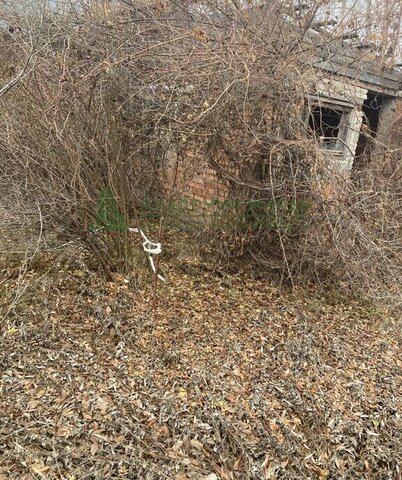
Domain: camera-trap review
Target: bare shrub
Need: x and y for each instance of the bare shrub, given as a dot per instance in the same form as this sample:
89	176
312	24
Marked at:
118	92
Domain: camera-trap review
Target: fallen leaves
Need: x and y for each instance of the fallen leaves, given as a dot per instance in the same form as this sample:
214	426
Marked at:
227	380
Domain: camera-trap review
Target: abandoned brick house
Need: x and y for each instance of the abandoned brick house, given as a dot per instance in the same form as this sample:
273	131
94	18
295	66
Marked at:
353	104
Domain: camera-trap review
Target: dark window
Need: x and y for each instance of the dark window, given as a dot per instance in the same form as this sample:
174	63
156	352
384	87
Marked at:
326	124
371	116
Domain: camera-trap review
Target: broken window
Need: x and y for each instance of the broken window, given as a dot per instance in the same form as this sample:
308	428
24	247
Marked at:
334	116
329	124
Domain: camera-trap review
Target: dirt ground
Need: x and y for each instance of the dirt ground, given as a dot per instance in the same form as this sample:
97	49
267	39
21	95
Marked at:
228	377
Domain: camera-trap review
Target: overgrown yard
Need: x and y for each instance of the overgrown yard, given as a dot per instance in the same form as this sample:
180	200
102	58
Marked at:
228	378
257	143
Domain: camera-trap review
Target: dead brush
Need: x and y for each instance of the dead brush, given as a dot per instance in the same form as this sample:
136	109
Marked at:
118	95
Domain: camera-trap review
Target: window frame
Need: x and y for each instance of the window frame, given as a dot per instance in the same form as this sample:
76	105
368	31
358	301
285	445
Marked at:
345	109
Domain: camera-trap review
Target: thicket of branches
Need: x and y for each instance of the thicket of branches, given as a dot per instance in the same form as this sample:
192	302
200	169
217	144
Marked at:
101	99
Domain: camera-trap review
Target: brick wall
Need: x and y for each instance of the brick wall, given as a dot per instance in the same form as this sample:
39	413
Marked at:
194	179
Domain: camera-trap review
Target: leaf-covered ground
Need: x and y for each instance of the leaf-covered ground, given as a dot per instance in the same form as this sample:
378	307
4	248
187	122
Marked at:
228	378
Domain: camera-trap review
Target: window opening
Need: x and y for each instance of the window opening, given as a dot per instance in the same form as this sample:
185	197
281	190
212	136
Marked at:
328	125
371	114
